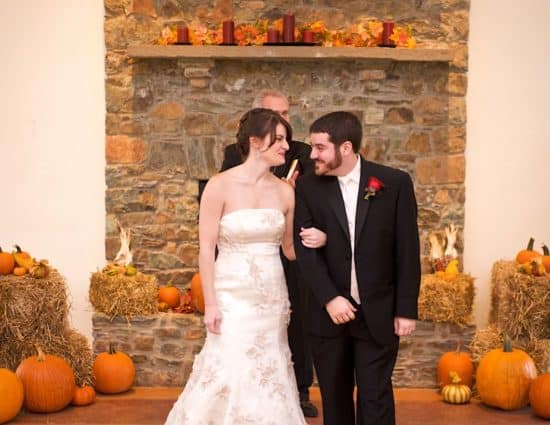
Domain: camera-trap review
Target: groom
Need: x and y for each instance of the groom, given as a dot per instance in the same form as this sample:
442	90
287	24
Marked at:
363	285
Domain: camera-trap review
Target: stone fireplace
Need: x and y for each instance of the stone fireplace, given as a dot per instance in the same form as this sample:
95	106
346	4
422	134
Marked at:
169	115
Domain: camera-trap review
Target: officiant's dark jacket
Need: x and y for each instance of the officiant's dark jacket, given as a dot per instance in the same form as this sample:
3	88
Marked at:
297	150
386	254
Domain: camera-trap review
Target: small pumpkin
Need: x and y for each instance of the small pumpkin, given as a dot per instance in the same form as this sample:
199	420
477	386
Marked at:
455	392
7	262
22	258
11	395
457	361
19	271
83	396
539	396
546	258
526	255
503	377
48	381
170	295
197	296
114	372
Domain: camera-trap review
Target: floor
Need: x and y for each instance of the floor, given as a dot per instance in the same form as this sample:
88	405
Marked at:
148	406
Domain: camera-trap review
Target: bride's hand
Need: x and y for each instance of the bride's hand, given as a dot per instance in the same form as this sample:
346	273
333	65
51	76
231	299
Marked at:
313	237
212	318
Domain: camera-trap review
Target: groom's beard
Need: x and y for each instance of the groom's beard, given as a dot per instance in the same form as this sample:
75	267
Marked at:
328	166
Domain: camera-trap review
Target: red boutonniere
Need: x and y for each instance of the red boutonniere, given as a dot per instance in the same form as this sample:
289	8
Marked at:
373	187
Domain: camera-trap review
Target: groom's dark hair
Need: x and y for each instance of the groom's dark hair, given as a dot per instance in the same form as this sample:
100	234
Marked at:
340	127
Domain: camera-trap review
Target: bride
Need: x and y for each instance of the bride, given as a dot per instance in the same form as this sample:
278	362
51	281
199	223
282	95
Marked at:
244	373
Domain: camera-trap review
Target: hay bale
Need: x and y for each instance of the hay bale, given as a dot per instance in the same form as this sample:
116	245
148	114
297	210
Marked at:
70	345
491	337
520	304
32	308
125	296
446	301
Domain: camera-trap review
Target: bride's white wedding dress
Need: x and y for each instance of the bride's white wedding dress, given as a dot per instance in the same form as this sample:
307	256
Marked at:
244	375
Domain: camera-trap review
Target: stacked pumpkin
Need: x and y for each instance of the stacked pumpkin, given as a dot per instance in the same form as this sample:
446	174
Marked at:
188	301
455	372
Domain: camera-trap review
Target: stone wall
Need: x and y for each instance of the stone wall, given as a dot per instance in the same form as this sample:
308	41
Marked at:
164	346
419	353
168	120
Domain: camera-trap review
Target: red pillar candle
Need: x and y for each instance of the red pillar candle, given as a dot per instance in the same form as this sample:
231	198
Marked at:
228	32
272	35
183	35
387	32
307	36
288	28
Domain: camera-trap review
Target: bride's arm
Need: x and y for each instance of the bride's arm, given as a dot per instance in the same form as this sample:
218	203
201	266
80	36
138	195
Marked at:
211	209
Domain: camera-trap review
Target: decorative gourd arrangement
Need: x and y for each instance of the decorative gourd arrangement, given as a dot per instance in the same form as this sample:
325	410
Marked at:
504	375
455	392
11	395
532	262
114	372
188	301
48	381
539	396
456	361
20	262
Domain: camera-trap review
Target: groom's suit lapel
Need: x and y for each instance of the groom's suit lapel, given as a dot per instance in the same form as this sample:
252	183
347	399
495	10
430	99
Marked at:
362	203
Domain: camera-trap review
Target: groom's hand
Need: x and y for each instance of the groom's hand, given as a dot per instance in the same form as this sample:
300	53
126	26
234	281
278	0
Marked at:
403	326
340	310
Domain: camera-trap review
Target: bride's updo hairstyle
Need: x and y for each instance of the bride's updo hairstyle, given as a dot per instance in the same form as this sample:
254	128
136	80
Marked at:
259	122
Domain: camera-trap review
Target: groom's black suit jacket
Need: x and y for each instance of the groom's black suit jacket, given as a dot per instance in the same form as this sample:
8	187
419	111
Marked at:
387	256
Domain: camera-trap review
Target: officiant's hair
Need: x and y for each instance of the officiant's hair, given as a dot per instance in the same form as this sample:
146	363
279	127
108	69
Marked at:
340	126
260	97
259	122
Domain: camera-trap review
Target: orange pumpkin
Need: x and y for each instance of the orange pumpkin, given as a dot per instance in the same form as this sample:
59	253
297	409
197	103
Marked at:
539	396
48	381
114	372
457	361
7	262
526	255
11	395
83	396
197	296
170	295
546	258
504	375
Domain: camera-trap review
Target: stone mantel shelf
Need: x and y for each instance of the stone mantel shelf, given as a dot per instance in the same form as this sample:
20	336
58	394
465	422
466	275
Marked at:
289	53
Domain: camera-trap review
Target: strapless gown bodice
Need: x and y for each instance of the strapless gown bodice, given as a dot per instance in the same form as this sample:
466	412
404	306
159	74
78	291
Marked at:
244	375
